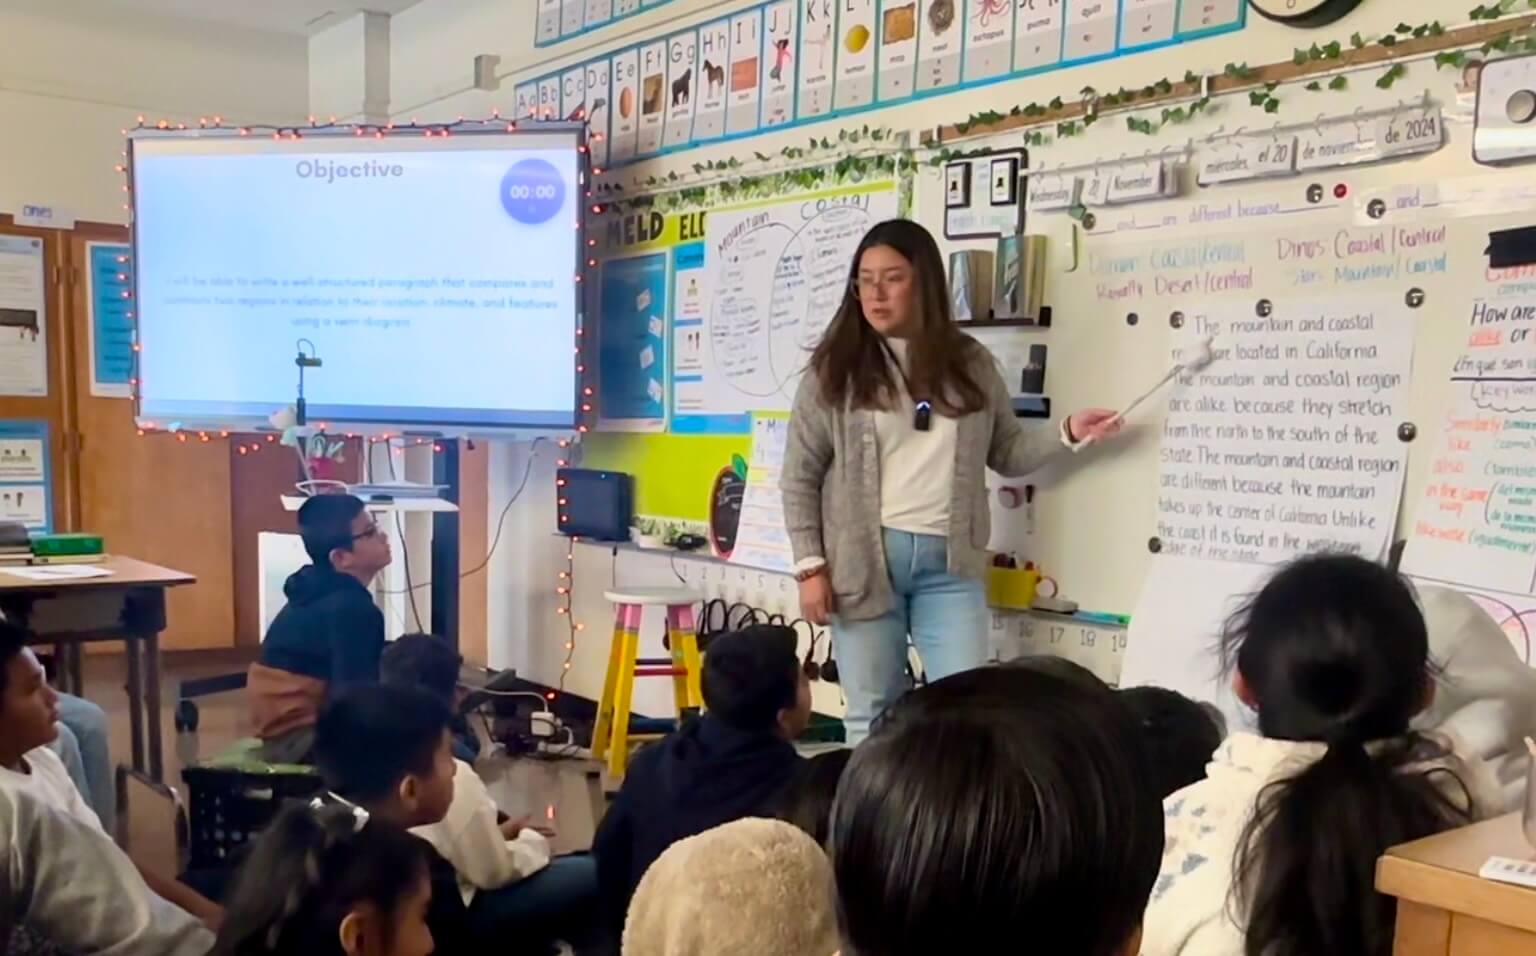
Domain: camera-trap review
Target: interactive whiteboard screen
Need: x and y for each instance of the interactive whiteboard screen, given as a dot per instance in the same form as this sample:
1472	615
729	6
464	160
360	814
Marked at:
433	277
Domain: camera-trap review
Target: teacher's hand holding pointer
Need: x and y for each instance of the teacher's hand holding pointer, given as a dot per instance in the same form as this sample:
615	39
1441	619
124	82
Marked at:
895	424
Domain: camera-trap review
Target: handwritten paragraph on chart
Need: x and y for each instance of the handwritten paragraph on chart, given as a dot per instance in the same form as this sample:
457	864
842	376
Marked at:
1286	443
1477	520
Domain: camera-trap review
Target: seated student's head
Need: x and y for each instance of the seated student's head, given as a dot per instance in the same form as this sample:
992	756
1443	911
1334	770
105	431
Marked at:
329	881
753	681
808	804
1000	804
1180	734
424	661
29	708
1333	650
1056	666
749	888
387	749
339	533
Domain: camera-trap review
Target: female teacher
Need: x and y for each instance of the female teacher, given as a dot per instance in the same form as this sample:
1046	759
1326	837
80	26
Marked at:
895	423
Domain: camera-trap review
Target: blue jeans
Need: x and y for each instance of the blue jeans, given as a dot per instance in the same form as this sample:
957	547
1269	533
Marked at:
946	617
557	903
82	745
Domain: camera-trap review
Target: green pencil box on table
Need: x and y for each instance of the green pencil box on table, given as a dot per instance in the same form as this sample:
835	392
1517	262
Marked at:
67	545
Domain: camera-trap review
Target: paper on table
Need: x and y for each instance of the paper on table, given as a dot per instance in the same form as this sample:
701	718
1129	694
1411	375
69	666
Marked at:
1176	626
59	572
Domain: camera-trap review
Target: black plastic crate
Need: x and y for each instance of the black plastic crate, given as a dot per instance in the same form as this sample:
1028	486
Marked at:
228	807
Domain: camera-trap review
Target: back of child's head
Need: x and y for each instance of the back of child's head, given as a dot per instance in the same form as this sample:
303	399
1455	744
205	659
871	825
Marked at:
1333	650
1004	803
1180	735
749	888
751	675
426	661
808	804
369	738
320	875
325	524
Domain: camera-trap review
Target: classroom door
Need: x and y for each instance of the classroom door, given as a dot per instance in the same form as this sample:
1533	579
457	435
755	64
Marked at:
158	497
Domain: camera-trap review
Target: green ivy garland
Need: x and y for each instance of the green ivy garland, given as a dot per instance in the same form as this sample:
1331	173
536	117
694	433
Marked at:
1335	52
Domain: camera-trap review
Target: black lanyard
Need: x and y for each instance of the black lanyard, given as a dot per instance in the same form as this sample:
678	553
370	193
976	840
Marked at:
922	415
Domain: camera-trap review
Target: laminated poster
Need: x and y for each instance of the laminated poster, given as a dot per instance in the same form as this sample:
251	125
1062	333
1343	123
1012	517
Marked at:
599	109
898	49
988	39
818	57
624	124
714	63
1038	34
744	81
781	53
653	98
855	83
940	36
682	88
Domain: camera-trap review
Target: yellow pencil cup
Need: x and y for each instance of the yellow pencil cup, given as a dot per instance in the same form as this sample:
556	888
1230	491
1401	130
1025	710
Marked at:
1012	588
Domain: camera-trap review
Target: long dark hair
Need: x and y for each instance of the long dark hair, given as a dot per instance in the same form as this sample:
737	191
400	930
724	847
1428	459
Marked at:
1334	650
999	803
850	362
307	871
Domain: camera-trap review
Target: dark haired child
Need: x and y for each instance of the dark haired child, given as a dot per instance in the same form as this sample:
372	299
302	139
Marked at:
326	880
507	877
808	805
1275	851
28	725
734	761
999	804
1180	734
328	635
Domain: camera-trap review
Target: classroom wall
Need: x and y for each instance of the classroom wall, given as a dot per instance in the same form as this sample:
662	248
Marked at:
70	81
432	49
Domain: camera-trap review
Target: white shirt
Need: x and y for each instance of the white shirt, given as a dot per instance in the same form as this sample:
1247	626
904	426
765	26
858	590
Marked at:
1190	912
469	838
46	779
75	887
917	469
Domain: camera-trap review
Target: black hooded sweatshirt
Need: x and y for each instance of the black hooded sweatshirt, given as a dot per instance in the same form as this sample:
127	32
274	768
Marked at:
330	629
706	774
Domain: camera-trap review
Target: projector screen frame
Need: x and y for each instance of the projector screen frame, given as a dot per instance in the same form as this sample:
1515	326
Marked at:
363	425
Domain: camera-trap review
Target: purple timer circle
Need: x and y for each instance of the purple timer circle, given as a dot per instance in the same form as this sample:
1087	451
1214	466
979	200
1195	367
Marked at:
532	191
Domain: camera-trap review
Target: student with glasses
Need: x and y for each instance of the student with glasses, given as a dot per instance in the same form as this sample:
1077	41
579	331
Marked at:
329	634
896	421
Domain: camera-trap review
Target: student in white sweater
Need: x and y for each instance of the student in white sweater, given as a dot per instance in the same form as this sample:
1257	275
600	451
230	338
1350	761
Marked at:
1275	851
506	876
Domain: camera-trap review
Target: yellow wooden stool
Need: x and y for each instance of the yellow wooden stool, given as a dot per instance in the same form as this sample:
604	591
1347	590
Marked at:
611	737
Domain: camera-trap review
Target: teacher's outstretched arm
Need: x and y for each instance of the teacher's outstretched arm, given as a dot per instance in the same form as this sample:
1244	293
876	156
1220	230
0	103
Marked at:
1018	450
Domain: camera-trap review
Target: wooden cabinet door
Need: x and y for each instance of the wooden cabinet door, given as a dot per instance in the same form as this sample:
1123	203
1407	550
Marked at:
158	497
53	333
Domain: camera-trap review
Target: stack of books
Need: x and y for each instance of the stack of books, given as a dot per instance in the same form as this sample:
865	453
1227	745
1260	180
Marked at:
68	549
15	544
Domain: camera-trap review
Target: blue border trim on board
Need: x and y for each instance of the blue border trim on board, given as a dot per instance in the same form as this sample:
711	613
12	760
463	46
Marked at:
545	44
878	104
